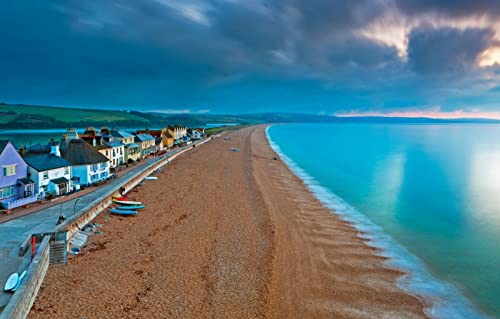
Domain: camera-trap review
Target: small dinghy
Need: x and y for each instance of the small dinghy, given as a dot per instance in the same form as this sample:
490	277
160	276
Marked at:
11	282
131	207
151	178
19	281
119	198
126	202
123	212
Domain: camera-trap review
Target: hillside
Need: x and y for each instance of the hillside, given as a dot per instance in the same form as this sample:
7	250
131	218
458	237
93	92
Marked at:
32	116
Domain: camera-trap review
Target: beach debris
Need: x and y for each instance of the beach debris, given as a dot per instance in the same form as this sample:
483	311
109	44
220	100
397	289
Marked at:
227	138
235	149
74	250
79	239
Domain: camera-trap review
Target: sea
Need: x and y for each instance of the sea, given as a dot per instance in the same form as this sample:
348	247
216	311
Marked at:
427	195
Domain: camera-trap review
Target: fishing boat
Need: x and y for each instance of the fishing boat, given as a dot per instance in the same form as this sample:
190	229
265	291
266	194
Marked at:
126	202
132	207
123	212
11	282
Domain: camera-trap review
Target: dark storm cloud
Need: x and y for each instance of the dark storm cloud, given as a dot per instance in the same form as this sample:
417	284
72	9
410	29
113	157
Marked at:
446	51
219	53
451	7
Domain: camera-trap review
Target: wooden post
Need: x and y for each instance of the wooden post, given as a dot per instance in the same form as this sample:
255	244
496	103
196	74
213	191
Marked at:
33	243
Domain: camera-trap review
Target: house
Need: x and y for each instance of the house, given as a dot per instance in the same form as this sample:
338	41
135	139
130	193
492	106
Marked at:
177	132
72	134
50	172
16	189
159	144
116	151
194	134
88	165
91	136
166	140
132	149
146	143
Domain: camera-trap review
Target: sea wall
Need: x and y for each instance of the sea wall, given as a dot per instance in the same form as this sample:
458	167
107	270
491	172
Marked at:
22	300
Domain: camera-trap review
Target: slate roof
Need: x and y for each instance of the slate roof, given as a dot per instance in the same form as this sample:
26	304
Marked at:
45	161
122	134
132	145
79	152
155	133
143	138
115	143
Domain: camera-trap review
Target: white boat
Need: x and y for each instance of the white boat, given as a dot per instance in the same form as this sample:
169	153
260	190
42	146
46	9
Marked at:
126	202
11	282
19	281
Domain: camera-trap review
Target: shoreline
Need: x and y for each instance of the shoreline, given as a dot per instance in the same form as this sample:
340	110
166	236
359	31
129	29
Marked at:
227	234
441	299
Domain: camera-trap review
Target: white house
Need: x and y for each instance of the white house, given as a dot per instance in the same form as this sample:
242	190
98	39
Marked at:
50	172
194	134
88	165
117	151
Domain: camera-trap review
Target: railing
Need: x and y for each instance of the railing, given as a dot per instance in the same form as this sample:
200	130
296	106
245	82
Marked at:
20	202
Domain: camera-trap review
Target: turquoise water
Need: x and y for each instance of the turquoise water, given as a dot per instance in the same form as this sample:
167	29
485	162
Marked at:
429	195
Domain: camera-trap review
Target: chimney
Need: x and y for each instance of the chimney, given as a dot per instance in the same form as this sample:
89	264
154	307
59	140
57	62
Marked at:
54	149
22	151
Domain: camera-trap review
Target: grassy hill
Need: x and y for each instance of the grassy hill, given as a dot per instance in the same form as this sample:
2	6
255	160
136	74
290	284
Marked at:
33	116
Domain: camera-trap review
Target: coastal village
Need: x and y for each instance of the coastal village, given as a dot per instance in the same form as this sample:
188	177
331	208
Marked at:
41	172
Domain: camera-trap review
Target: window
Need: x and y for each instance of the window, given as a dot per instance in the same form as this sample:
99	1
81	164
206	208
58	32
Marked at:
66	170
9	170
46	175
6	192
95	167
104	165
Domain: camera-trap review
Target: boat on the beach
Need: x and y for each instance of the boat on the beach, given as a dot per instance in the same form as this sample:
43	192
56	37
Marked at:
131	207
151	178
19	281
11	282
126	202
123	212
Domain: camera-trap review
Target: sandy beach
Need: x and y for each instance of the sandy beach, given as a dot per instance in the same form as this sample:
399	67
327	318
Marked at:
226	235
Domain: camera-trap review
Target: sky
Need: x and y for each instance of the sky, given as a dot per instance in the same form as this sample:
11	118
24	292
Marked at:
332	57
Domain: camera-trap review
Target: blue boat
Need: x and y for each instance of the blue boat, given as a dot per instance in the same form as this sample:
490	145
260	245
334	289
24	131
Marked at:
131	207
123	212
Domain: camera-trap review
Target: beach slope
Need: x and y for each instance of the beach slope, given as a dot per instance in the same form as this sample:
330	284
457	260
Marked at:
226	235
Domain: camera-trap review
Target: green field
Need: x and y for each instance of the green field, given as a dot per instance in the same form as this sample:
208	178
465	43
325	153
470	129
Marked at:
68	115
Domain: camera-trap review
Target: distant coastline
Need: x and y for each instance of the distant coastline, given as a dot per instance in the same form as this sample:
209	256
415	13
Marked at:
19	116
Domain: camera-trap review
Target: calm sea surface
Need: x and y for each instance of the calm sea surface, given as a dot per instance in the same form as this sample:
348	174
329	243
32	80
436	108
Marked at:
429	195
